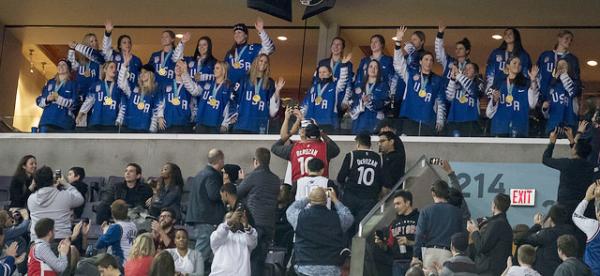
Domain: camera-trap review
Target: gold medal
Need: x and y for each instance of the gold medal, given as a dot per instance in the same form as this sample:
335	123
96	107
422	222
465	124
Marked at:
108	100
87	73
463	99
509	99
318	100
175	101
212	102
237	65
141	106
256	98
162	71
422	93
128	75
197	76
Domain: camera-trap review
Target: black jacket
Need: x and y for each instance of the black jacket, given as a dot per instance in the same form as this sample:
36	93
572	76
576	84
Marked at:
492	245
134	197
260	190
19	191
205	205
546	255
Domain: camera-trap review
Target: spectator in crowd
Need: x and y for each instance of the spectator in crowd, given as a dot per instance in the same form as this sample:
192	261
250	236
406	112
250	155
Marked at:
162	265
232	201
205	208
544	238
21	183
107	265
394	159
260	188
415	271
187	261
401	233
493	243
459	263
75	177
232	244
118	236
168	192
567	251
54	199
389	124
314	179
437	223
284	232
575	172
590	227
132	190
163	230
15	227
9	259
526	258
141	256
231	174
360	177
42	261
319	233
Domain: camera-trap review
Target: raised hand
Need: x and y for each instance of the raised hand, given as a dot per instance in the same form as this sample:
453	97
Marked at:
496	95
347	58
162	124
72	45
259	25
64	246
546	105
186	37
400	33
108	26
538	218
12	249
582	126
591	191
454	72
279	84
533	73
182	66
553	135
441	27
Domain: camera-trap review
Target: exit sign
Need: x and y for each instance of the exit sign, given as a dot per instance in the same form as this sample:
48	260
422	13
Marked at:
522	197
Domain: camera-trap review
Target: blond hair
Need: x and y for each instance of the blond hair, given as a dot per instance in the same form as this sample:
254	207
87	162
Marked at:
254	73
150	86
142	246
85	41
224	66
104	67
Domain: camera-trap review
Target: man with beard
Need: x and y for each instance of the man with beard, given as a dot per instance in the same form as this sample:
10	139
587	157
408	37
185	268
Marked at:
163	230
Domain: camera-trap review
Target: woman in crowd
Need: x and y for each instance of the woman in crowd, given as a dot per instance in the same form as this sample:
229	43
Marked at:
499	58
422	107
241	56
385	62
213	101
201	65
511	98
321	101
141	256
139	111
463	92
460	59
187	261
168	192
560	106
103	101
175	103
124	49
86	62
548	63
59	101
20	184
258	98
164	60
367	99
414	49
162	265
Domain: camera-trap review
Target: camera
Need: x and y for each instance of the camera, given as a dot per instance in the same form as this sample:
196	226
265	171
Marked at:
16	215
57	174
435	161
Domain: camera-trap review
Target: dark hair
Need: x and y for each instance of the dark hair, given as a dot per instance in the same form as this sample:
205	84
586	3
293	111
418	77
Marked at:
105	260
475	65
440	189
526	254
119	209
465	42
363	139
386	122
138	168
162	264
340	39
502	202
121	39
567	244
380	37
520	79
20	172
229	188
390	136
421	36
426	53
315	165
171	211
378	78
209	54
583	148
518	48
176	176
44	177
263	156
558	214
182	230
232	170
172	35
78	171
404	194
43	227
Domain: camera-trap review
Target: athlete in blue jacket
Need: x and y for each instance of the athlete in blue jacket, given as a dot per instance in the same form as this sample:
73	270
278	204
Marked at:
175	112
202	64
511	98
548	60
463	93
367	99
560	103
86	63
510	47
164	60
100	109
124	48
58	99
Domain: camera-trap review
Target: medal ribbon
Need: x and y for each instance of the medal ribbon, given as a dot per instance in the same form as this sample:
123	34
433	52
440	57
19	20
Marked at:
257	87
321	90
163	60
109	89
239	55
176	88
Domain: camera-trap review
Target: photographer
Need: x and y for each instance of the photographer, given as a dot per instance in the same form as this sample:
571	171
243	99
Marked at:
16	227
232	243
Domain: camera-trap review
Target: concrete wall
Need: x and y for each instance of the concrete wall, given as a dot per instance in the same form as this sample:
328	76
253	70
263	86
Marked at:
106	154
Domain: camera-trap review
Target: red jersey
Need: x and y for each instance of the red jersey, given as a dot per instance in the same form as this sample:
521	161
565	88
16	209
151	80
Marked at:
37	267
302	152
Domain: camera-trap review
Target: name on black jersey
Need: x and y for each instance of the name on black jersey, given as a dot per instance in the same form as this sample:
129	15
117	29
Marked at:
366	161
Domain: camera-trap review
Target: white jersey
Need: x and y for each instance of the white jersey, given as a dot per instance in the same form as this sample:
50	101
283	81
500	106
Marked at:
306	184
129	234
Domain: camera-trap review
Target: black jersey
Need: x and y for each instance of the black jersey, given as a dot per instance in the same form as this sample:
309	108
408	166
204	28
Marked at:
360	174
